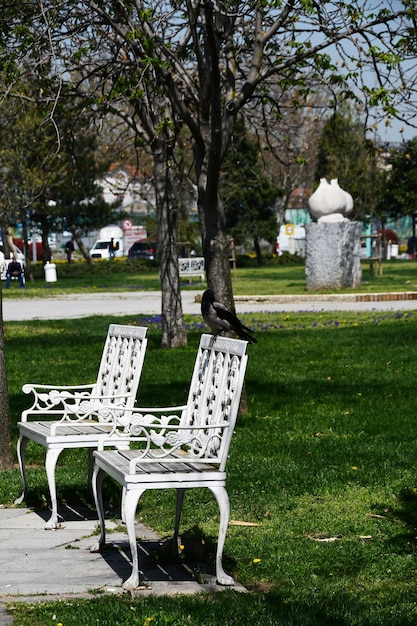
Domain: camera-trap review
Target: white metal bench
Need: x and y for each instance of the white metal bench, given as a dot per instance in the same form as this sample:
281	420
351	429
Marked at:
180	447
79	416
192	266
3	269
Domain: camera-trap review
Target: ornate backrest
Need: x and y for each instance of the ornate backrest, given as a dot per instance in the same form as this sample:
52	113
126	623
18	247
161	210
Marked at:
116	385
214	396
121	362
202	429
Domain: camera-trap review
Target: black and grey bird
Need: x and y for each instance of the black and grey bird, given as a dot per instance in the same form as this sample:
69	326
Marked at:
221	319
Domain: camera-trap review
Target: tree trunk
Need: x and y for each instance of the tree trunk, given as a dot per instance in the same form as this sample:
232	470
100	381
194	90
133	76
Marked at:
210	146
25	237
6	453
173	330
78	240
47	254
8	244
258	250
213	229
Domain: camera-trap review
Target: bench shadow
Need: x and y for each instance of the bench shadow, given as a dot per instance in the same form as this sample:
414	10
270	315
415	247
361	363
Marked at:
158	560
118	556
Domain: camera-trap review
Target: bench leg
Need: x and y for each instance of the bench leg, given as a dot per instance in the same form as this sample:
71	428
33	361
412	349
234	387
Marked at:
222	498
131	500
90	478
21	447
97	485
50	465
122	507
90	471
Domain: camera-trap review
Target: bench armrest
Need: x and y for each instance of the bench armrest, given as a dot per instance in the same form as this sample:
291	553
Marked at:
161	409
92	413
35	387
161	436
64	404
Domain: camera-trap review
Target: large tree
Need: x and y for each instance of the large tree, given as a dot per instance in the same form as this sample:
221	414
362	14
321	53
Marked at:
116	80
89	49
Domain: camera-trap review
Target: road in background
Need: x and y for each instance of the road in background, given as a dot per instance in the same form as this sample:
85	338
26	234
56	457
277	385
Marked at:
149	303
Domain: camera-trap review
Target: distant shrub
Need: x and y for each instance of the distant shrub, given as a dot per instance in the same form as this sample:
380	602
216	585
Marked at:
97	268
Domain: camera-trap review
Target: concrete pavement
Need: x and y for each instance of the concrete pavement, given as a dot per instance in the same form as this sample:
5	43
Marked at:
39	565
149	302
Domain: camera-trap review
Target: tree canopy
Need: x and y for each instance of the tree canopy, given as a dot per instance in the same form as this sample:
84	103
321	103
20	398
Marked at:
345	154
212	60
399	195
248	194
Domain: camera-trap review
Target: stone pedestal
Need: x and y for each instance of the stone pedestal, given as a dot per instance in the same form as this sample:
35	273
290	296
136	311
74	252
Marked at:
333	255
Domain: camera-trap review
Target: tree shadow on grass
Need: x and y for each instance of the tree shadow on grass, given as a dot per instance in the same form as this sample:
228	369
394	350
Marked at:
406	512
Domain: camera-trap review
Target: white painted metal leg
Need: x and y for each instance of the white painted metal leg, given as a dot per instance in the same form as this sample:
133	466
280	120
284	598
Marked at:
90	479
222	498
50	465
122	506
90	470
131	500
21	447
97	486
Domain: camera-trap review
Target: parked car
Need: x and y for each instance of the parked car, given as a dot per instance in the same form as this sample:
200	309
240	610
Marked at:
142	250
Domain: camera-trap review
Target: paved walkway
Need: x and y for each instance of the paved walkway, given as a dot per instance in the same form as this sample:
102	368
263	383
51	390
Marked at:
149	302
38	564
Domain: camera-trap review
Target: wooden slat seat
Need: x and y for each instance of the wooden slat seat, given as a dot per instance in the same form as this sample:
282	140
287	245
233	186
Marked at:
180	447
83	416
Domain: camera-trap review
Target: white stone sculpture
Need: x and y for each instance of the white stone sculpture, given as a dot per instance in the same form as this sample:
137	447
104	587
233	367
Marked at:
330	203
348	197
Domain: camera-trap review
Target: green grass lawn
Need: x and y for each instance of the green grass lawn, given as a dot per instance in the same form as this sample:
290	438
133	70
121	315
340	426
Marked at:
271	278
323	463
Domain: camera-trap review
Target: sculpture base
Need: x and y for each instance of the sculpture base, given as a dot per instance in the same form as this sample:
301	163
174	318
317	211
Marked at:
333	255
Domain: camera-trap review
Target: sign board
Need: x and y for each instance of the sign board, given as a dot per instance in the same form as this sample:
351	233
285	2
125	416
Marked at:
136	233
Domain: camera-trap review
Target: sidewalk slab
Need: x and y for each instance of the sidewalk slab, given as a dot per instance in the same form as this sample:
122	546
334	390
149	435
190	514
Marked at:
35	562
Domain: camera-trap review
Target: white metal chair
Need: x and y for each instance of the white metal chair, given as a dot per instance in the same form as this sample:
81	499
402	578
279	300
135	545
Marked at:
180	447
81	416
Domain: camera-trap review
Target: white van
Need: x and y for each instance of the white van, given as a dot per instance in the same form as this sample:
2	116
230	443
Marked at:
291	239
100	250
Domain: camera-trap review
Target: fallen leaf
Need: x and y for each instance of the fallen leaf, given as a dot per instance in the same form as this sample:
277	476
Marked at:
326	539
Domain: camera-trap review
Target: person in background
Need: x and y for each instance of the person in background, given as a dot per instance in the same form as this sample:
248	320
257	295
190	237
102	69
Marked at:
411	247
69	249
112	248
15	270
